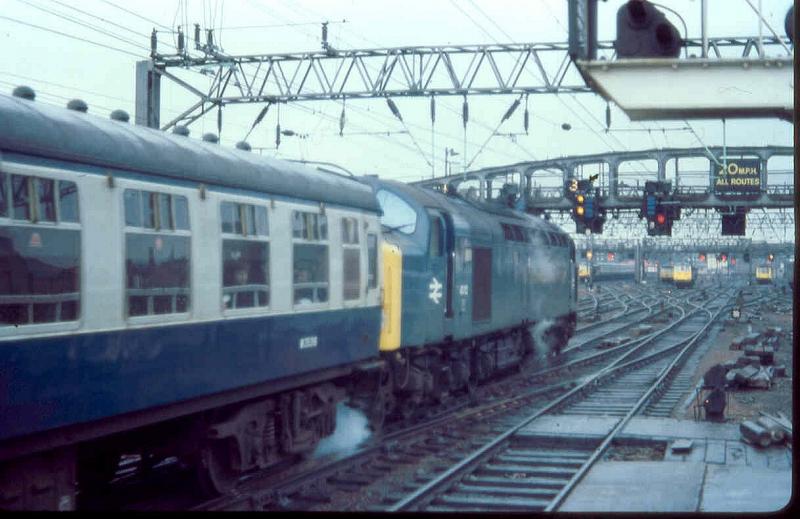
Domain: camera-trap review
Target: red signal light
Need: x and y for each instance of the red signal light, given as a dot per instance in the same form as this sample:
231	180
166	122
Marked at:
733	261
610	256
724	258
661	218
702	257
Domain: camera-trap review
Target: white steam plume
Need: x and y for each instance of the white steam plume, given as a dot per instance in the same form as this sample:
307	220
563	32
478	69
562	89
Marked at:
352	429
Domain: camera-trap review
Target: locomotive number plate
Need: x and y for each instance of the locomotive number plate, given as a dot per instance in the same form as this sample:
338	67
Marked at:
308	342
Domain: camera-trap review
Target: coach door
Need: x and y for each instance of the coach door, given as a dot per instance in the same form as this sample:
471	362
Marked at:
441	261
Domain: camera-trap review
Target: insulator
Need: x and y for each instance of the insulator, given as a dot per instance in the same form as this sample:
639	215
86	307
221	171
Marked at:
566	126
261	115
526	120
153	43
433	109
181	41
393	108
197	34
288	133
608	116
465	112
210	38
341	123
324	33
219	120
278	135
510	110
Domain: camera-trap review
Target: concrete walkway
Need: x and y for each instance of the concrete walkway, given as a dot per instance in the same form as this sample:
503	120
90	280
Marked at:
719	473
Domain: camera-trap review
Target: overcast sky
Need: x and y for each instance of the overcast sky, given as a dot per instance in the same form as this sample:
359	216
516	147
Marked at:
60	68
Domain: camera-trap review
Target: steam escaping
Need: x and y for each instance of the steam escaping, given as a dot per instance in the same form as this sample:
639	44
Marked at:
548	272
541	343
352	429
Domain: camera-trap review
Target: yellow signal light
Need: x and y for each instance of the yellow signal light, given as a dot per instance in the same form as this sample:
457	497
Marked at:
579	210
588	254
580	199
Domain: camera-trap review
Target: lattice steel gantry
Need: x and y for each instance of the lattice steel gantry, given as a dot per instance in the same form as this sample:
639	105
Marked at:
328	74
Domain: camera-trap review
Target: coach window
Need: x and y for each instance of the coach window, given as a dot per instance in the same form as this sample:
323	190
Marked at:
39	264
310	257
157	253
351	259
245	256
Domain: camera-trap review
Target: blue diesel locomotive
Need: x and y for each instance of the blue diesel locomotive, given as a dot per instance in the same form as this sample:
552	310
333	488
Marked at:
464	282
161	296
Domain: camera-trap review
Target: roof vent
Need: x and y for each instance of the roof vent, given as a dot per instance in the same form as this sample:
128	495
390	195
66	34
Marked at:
210	137
181	130
25	92
79	105
120	115
243	145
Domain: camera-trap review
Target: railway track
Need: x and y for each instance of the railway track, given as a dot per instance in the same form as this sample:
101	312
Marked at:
517	471
439	440
309	484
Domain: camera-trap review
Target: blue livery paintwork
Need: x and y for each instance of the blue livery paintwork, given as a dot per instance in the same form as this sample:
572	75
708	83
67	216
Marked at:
56	381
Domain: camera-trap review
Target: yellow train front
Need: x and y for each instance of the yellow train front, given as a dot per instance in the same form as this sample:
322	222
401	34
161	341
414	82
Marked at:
584	272
765	274
684	275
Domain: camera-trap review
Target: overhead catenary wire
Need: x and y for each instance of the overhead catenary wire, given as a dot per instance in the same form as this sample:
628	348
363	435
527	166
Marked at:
445	105
85	40
86	13
83	24
137	15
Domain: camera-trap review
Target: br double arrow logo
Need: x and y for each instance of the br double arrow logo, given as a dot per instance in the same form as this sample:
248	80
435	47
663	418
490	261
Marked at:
435	288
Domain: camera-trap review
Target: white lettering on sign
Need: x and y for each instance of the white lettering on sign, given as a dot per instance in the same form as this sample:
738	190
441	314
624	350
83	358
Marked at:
463	290
308	342
435	293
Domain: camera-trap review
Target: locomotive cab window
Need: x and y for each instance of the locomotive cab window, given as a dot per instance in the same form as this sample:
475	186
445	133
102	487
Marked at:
398	215
39	252
245	256
157	253
310	258
372	259
351	259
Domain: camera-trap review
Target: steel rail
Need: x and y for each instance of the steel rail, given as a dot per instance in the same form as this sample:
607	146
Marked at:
490	447
600	450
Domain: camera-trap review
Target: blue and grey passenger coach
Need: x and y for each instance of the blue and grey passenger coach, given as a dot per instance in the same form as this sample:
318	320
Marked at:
164	297
149	279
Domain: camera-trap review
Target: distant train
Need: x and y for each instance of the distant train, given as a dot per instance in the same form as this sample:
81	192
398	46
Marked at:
684	275
665	274
614	272
166	297
765	274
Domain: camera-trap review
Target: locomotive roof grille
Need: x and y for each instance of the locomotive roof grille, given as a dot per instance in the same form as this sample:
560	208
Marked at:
52	132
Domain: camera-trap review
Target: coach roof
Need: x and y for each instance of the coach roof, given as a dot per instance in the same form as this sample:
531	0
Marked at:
51	132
